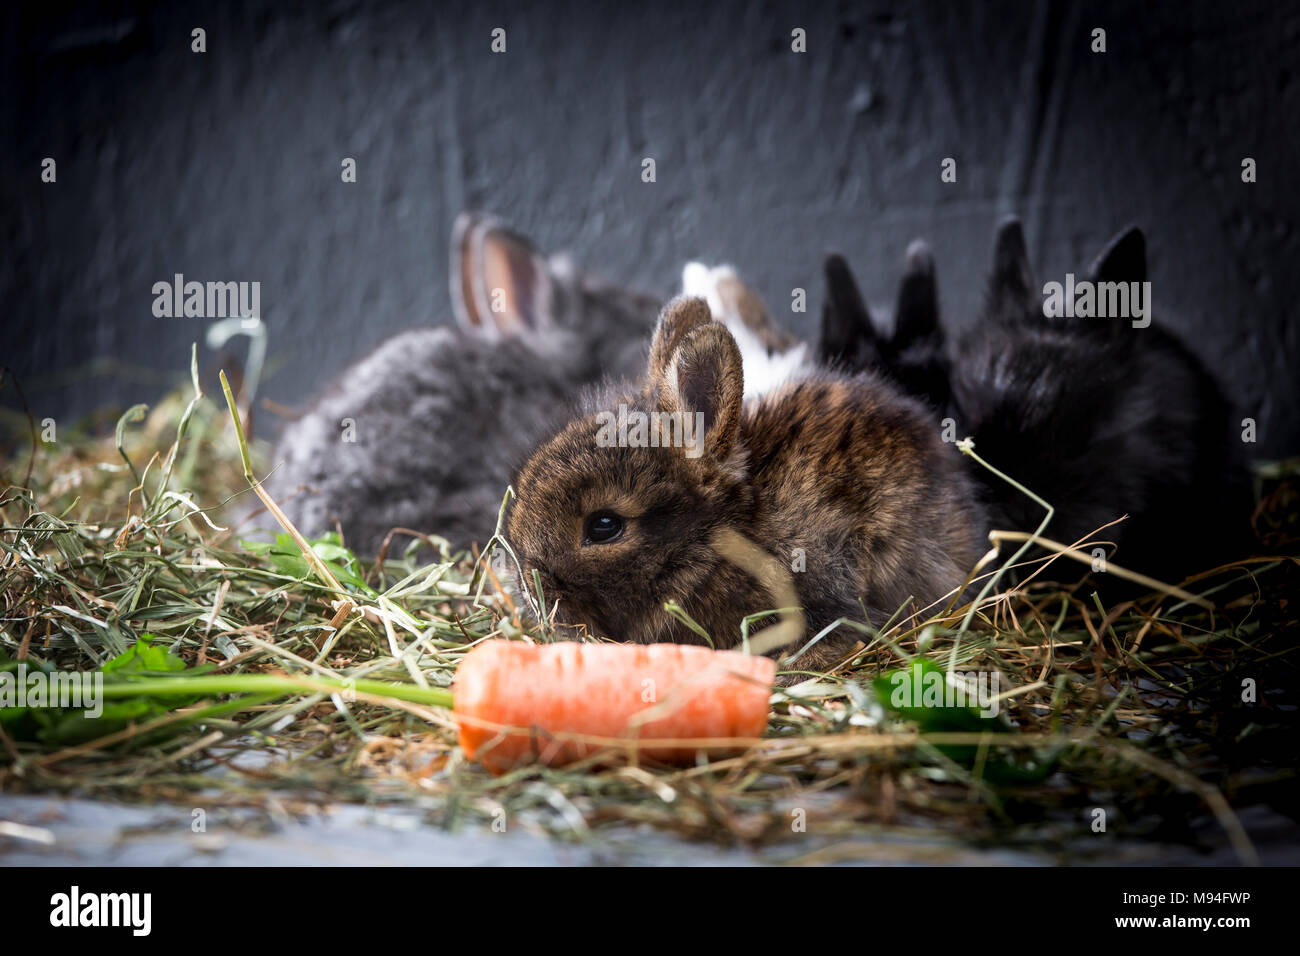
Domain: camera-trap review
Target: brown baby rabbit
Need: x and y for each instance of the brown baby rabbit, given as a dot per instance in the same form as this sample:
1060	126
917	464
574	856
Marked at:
840	484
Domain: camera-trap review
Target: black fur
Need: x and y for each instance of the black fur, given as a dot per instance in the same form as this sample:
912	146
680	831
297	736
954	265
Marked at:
912	354
1098	417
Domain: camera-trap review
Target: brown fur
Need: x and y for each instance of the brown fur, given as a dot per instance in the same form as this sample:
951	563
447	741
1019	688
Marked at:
844	468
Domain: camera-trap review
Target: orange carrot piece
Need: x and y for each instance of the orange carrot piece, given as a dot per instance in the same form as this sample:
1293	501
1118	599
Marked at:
517	703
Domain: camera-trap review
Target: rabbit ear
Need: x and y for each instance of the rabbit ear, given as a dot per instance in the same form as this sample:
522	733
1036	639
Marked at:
679	317
1011	288
500	284
705	378
917	315
731	300
847	332
1124	259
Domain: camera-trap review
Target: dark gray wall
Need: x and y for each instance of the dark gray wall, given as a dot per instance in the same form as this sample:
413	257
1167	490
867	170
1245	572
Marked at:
226	165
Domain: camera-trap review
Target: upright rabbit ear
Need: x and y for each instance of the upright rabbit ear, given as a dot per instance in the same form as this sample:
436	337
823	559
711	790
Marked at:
1124	259
500	284
1011	289
917	315
704	384
732	301
847	332
679	317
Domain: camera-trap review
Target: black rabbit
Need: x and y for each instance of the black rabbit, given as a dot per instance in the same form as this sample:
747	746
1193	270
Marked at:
912	353
1102	417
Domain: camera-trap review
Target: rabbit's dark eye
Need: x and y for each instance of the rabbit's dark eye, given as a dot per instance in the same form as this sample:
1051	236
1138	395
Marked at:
602	527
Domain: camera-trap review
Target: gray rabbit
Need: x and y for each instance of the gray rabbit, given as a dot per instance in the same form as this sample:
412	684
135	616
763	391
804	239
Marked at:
423	432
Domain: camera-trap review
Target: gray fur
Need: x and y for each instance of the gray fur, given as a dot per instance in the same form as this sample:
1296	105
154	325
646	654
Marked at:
443	414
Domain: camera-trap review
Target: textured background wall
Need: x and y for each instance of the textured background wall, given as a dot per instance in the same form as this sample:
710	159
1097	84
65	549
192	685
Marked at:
225	166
